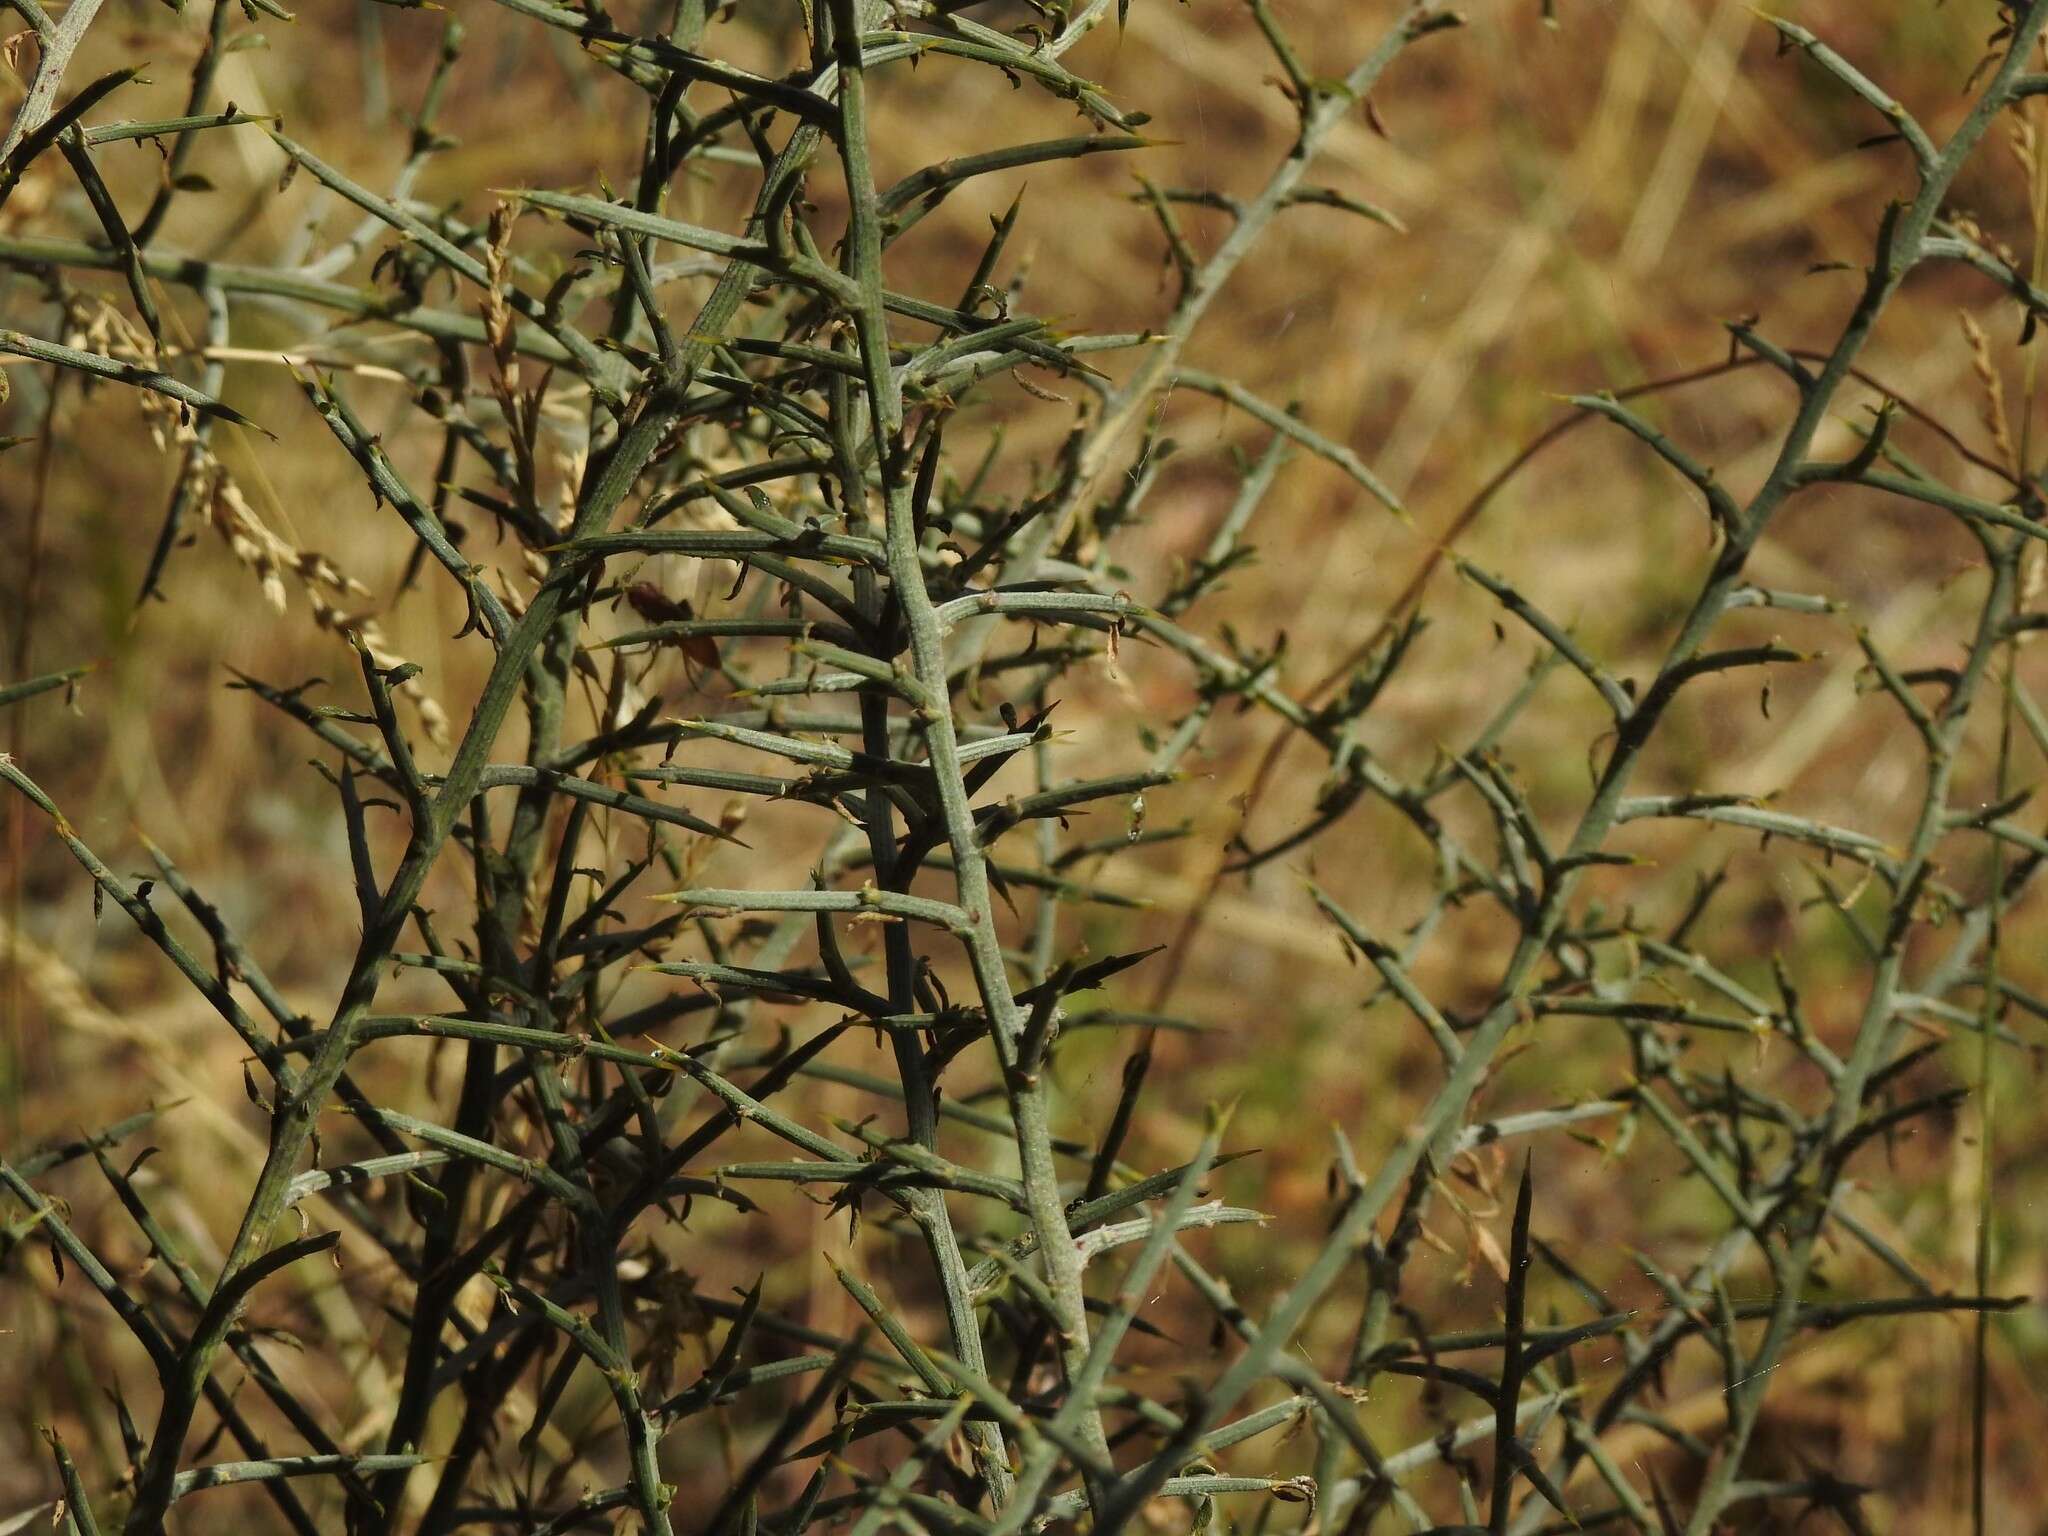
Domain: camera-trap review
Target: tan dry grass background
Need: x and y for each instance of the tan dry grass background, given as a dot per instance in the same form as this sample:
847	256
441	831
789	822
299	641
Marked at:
1584	205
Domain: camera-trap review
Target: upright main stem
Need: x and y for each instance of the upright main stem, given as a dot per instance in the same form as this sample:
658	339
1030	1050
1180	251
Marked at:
1022	1078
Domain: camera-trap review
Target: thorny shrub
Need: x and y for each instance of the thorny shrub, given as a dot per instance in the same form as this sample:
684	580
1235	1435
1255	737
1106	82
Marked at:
786	487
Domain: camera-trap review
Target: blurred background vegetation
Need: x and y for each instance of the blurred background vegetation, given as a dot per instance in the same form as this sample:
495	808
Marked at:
1584	205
